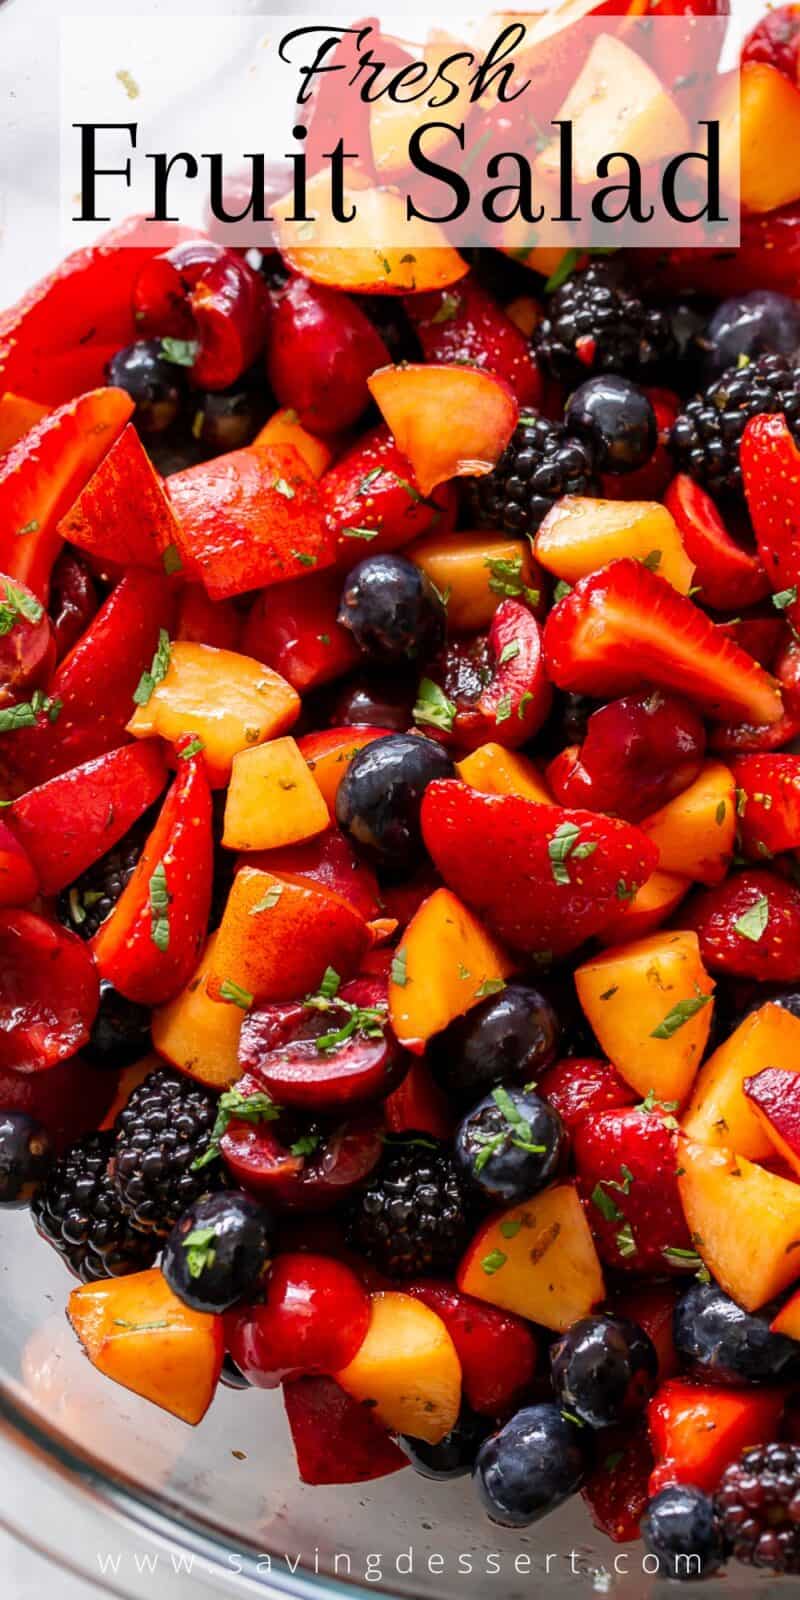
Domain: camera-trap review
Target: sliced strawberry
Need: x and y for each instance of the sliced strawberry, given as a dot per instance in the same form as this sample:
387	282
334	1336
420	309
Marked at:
616	1489
768	803
373	501
728	576
697	1430
465	324
748	926
544	878
760	633
579	1087
625	627
627	1173
771	472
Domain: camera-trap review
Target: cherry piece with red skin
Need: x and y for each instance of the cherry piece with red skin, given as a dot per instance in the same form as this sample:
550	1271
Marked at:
49	992
382	702
73	600
68	1099
320	1067
339	1156
336	1438
775	39
27	646
497	1350
201	291
371	490
748	926
321	351
313	1320
19	880
496	683
638	753
627	1163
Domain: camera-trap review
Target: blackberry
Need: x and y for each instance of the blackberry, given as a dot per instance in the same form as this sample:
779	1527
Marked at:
540	464
165	1126
758	1501
596	323
77	1210
707	434
86	903
411	1217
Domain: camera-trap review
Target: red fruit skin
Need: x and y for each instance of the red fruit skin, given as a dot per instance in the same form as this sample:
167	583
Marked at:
204	621
122	515
293	628
19	880
748	738
294	1072
769	814
517	699
624	628
373	486
642	1142
464	323
771	472
493	852
497	1350
713	913
651	1305
49	992
181	841
775	39
95	682
403	900
650	481
73	600
638	753
72	820
68	1099
231	313
337	1439
768	258
312	1321
729	577
328	859
762	636
27	649
418	1105
696	1430
261	1164
164	284
322	348
580	1087
237	527
616	1490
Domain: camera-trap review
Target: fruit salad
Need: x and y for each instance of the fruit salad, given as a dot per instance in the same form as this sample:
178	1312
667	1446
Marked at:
399	841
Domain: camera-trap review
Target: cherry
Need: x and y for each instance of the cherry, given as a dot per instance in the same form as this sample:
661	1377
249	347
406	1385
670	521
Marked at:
27	648
496	1349
638	752
299	1168
322	349
68	1099
322	1067
73	600
201	291
313	1320
49	992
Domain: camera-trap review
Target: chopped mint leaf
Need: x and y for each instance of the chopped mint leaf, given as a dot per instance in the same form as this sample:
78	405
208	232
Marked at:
330	983
282	487
447	310
561	590
493	1262
398	971
171	560
159	908
510	1228
200	1252
181	352
785	598
232	1103
489	986
753	921
509	652
158	670
268	900
608	1209
679	1014
193	748
235	994
566	265
626	1244
360	533
503	709
433	709
506	578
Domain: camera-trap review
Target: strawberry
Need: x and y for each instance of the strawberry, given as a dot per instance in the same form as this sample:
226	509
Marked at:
544	878
762	635
748	926
728	576
582	1086
771	472
464	323
625	627
768	805
616	1488
697	1429
627	1173
372	500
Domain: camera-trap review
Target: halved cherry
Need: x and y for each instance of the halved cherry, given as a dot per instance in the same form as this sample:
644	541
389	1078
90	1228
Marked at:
19	881
497	682
199	290
49	992
638	752
27	646
322	349
73	600
297	1167
313	1319
341	1055
68	1099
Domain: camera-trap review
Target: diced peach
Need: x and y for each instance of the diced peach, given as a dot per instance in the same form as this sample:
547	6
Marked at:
272	798
481	414
198	1035
537	1259
447	963
495	770
283	428
581	534
393	123
650	1006
719	1112
461	564
769	132
136	1331
228	700
278	935
17	415
617	102
659	896
695	832
744	1221
329	752
407	1370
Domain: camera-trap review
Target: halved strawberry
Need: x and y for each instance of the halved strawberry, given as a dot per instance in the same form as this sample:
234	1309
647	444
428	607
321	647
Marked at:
768	803
728	576
740	738
771	472
627	1163
582	1086
698	1429
544	878
625	627
464	323
748	926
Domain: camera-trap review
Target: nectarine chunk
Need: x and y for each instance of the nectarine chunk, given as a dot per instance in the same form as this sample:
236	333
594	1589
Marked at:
744	1221
480	410
272	798
495	770
136	1331
278	935
719	1112
659	896
283	428
581	534
650	1006
537	1259
447	963
463	567
769	131
328	754
407	1369
200	1036
617	102
695	832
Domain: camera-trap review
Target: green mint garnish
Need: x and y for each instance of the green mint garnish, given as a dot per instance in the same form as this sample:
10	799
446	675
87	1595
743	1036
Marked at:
235	994
398	969
753	921
268	900
200	1252
680	1013
158	670
252	1108
433	709
493	1262
159	908
181	352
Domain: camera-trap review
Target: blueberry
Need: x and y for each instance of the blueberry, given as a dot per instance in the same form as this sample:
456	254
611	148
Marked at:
392	610
510	1145
604	1369
758	323
155	384
509	1038
681	1527
217	1250
120	1032
227	419
616	419
454	1455
531	1466
24	1153
787	999
379	798
729	1345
